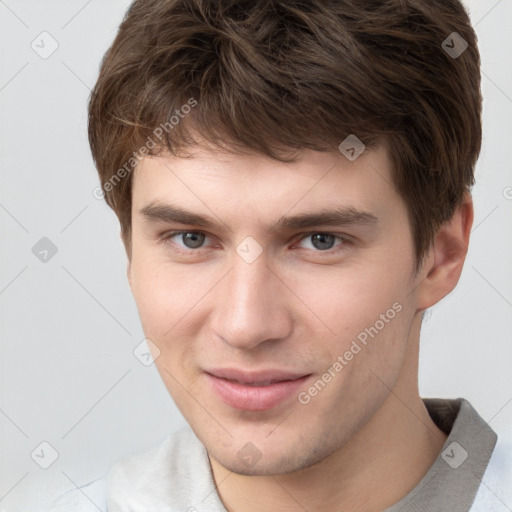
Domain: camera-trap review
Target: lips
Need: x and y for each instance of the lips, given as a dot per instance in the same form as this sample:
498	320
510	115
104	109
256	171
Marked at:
254	391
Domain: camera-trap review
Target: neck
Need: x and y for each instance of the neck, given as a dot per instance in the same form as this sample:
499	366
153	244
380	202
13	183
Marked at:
380	465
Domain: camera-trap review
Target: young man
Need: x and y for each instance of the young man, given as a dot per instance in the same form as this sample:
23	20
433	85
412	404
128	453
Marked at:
292	181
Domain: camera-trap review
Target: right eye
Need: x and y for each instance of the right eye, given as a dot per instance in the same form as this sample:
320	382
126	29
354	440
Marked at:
190	240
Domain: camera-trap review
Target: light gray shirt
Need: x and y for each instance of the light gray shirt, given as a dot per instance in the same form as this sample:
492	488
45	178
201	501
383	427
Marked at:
176	475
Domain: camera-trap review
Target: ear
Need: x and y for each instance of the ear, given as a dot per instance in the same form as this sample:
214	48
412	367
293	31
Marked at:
443	265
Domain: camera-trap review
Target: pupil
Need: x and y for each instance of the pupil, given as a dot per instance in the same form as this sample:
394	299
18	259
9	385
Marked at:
193	240
323	241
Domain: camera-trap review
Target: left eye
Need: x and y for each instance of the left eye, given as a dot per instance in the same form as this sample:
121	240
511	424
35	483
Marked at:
322	241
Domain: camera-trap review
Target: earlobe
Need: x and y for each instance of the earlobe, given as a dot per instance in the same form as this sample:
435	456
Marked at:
448	253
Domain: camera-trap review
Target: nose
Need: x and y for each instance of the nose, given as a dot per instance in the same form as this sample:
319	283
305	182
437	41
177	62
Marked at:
251	305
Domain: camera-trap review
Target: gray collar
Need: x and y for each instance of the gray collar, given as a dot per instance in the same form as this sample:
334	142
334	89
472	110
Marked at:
453	480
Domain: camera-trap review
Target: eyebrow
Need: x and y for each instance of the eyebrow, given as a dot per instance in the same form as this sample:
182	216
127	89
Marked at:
345	216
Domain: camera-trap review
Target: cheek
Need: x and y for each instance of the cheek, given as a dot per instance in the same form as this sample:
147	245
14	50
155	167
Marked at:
349	300
163	301
164	295
154	300
363	330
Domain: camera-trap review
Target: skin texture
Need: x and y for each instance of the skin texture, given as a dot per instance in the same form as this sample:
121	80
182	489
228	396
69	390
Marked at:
295	308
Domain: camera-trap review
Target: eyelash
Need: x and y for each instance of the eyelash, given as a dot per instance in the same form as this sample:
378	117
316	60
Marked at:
166	239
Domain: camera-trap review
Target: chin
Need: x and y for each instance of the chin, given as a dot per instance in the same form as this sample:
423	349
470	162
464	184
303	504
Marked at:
271	461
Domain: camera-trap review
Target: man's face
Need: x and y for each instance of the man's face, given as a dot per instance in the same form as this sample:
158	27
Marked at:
275	337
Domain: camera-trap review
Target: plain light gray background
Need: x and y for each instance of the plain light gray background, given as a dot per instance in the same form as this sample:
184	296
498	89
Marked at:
69	326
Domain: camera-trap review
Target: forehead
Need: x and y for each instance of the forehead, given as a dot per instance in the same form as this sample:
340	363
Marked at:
254	187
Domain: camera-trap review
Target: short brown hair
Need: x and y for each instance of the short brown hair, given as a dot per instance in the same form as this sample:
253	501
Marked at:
277	76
